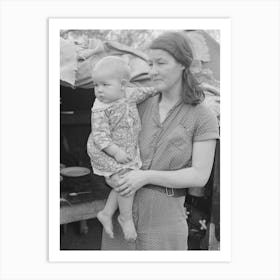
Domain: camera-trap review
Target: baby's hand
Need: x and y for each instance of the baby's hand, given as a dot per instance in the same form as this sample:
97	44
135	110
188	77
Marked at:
122	157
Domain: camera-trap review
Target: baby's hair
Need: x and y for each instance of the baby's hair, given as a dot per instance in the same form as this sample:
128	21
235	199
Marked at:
115	64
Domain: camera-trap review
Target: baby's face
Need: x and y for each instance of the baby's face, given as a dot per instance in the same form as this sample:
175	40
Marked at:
107	87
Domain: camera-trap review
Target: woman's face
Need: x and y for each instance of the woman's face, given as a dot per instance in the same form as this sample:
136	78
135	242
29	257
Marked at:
165	70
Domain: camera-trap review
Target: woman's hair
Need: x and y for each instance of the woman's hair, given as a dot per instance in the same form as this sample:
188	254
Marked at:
177	45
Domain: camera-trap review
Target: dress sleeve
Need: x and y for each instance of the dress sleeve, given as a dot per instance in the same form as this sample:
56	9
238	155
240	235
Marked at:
140	94
206	125
100	129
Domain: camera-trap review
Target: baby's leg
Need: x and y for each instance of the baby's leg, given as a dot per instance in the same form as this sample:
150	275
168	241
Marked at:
125	218
105	215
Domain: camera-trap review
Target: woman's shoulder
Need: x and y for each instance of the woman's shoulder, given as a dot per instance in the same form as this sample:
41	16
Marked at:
206	123
201	108
201	111
200	116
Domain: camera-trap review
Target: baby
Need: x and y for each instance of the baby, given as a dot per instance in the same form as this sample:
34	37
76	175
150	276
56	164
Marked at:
113	143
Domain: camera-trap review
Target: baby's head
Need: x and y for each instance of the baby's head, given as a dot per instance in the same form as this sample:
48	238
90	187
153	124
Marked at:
110	76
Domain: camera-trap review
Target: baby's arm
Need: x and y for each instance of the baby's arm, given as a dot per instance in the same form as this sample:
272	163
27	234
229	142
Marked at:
115	151
102	137
140	94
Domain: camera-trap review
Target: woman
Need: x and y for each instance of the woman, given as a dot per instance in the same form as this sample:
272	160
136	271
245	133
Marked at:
177	144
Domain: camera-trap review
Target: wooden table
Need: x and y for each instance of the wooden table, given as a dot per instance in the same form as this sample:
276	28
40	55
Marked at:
80	213
83	211
86	207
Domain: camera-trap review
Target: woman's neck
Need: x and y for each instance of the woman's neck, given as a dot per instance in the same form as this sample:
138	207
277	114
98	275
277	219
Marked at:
173	95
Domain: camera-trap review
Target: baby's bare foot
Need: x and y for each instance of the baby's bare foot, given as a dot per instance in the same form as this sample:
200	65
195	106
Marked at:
128	229
106	221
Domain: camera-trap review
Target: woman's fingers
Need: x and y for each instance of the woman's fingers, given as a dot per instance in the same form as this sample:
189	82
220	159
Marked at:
121	182
125	189
127	195
122	187
125	192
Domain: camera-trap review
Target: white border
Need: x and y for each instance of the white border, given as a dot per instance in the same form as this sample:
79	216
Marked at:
224	25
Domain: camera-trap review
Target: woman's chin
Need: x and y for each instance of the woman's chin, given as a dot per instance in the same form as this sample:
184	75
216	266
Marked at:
158	86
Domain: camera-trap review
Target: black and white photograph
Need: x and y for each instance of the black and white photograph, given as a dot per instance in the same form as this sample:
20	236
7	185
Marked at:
139	139
167	75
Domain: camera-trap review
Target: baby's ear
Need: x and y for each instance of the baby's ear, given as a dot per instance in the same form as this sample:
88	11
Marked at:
124	82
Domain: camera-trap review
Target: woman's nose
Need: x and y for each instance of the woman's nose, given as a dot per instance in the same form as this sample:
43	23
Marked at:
153	70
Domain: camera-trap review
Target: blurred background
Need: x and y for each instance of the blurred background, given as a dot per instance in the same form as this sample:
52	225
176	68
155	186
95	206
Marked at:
138	39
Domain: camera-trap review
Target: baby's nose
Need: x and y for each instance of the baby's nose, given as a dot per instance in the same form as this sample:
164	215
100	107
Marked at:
99	89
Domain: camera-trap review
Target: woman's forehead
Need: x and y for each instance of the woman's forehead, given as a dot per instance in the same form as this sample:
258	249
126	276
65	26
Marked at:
158	54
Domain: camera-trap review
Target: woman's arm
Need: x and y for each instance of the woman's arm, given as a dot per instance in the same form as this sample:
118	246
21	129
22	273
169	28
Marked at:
195	176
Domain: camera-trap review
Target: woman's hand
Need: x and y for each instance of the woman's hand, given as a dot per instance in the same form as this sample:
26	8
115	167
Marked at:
132	181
